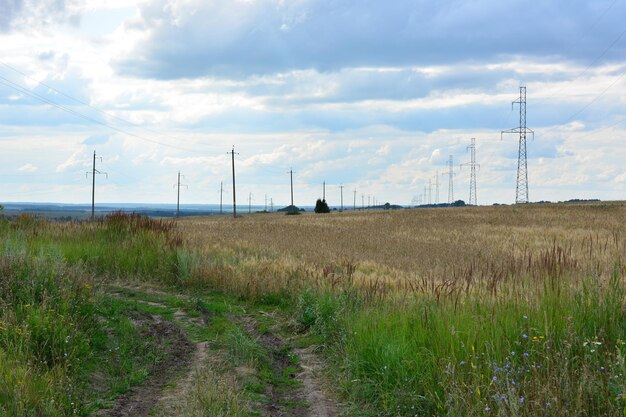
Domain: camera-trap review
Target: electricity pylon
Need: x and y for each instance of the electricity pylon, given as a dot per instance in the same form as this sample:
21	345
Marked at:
472	164
521	191
451	175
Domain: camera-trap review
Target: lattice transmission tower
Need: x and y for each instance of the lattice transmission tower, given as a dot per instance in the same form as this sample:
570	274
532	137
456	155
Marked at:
451	175
473	165
521	192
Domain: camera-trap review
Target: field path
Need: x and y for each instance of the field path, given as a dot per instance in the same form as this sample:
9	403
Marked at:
179	355
298	391
294	389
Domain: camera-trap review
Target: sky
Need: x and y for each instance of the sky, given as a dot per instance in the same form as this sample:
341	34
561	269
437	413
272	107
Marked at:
372	95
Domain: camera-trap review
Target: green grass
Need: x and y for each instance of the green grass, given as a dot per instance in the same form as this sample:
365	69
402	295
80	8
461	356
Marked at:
66	349
561	354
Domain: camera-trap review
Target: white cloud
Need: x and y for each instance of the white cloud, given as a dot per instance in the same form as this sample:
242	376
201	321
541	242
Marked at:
78	159
383	150
28	168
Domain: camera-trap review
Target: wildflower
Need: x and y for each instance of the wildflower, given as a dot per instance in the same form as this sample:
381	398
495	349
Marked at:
513	353
525	354
524	336
487	408
525	317
522	399
548	405
495	378
462	363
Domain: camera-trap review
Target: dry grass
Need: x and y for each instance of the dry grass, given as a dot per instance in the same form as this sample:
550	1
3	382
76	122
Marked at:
417	249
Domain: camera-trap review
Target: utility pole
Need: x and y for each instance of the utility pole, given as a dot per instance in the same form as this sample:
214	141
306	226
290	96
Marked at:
221	194
362	201
437	188
451	175
341	187
250	203
271	204
324	191
291	181
472	164
177	186
232	153
93	173
265	210
354	205
521	191
430	192
369	204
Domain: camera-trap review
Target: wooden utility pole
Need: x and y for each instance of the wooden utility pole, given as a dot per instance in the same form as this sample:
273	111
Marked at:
178	185
93	173
291	180
232	153
221	194
341	187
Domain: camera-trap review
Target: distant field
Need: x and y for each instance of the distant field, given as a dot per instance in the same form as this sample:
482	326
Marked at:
436	243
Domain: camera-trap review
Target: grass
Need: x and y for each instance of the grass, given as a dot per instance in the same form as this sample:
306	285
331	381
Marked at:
475	311
508	311
65	348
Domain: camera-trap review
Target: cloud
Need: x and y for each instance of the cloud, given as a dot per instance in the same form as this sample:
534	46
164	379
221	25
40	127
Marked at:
238	38
28	168
37	13
79	158
383	150
97	140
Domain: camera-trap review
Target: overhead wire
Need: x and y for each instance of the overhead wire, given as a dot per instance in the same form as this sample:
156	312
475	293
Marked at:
15	86
82	102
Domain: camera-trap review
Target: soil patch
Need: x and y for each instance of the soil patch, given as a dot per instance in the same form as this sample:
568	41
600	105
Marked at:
178	350
298	393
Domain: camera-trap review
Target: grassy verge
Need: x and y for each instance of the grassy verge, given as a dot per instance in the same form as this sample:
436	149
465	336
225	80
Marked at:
65	348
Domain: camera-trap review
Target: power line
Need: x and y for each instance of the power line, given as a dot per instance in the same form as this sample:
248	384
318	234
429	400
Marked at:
521	191
84	103
232	154
17	87
178	185
291	181
472	164
93	173
341	187
451	175
437	187
221	194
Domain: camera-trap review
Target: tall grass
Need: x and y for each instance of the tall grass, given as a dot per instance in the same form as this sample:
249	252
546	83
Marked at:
47	324
515	311
64	349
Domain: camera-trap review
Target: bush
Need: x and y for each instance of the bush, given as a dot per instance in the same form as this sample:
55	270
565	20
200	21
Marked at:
321	206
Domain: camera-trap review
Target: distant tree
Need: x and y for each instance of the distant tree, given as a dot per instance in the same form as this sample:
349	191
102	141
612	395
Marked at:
387	206
321	206
458	203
